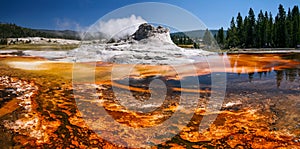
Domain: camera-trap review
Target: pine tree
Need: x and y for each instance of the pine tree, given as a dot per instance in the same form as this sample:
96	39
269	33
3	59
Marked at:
260	30
280	28
220	37
250	29
232	39
268	32
266	26
207	38
296	26
289	29
245	31
240	30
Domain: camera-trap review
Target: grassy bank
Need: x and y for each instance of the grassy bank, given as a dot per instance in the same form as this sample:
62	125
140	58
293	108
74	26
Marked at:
39	47
261	50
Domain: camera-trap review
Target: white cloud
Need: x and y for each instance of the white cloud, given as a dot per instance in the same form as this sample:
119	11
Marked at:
121	27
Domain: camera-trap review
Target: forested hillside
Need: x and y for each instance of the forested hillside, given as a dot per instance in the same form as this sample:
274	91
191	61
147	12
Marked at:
14	31
263	31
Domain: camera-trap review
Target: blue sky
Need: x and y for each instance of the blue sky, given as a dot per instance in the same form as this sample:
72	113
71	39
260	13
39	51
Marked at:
74	14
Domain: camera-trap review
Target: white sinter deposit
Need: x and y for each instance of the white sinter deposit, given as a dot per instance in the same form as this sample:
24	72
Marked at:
148	45
42	40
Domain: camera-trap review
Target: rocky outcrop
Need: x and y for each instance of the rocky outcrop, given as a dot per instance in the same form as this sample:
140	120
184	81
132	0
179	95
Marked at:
146	30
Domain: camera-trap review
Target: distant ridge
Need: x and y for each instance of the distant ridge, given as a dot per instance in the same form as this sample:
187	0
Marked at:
15	31
195	34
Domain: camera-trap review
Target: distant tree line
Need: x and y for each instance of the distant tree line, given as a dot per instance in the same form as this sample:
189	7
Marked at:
182	39
14	31
262	31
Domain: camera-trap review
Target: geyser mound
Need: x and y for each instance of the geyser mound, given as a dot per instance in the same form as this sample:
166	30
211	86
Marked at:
148	45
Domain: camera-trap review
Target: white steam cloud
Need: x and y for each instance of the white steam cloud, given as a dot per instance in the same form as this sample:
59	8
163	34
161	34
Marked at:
121	27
